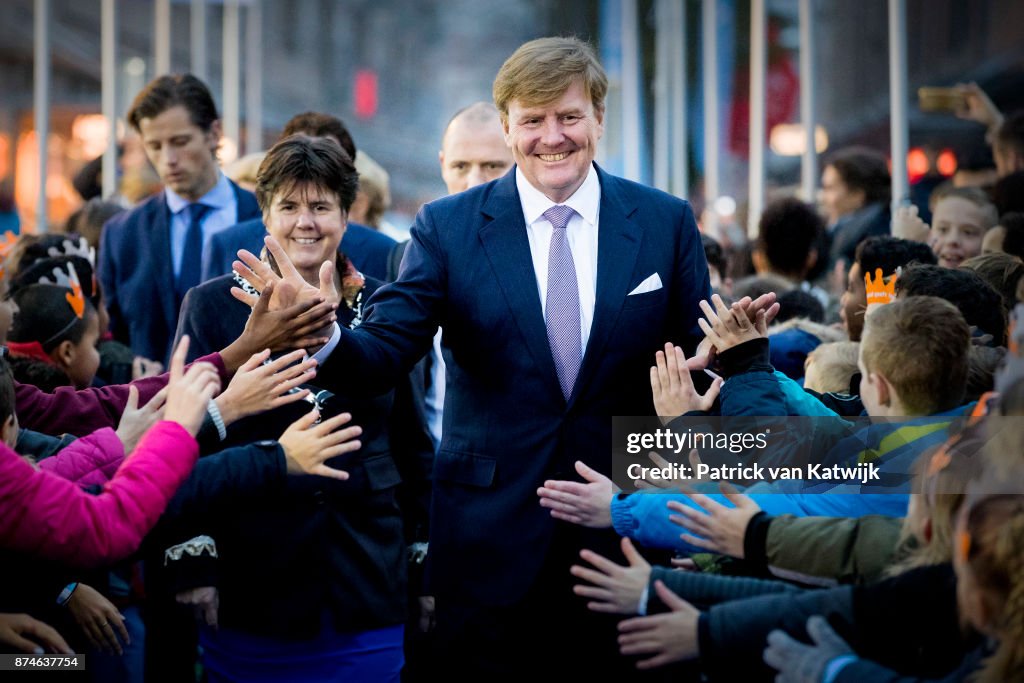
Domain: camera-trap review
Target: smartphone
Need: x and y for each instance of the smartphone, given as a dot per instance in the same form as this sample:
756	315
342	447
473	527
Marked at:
940	99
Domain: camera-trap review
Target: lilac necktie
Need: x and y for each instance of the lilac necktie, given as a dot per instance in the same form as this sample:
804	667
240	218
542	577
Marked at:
563	302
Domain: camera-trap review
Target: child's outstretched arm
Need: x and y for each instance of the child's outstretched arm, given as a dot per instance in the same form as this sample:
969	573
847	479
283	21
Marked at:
52	518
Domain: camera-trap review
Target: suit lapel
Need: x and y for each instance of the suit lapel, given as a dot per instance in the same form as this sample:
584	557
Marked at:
618	245
160	253
504	241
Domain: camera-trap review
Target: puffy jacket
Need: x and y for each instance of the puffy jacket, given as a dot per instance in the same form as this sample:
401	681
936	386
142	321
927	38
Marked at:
50	517
89	461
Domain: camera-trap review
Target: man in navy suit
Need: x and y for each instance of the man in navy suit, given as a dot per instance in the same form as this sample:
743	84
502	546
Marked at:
150	256
555	285
369	250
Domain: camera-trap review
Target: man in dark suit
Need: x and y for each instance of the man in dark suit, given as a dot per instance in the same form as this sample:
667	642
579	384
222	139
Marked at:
150	256
555	285
368	249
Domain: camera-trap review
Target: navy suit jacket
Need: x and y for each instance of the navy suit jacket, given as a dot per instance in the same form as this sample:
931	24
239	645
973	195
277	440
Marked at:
138	275
507	426
368	249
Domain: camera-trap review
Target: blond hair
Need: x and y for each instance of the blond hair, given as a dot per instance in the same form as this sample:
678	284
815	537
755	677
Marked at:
836	364
995	555
920	344
974	195
540	71
374	182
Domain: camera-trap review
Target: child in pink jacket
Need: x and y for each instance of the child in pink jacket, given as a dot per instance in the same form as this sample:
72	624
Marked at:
44	515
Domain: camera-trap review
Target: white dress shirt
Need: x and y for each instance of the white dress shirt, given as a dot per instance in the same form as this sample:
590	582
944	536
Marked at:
581	233
223	214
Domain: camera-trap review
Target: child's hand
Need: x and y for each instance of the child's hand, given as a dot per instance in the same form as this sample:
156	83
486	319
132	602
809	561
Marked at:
144	367
907	225
99	620
721	529
673	390
256	387
763	305
799	662
587	504
307	446
669	637
616	589
136	421
27	634
729	326
294	327
188	393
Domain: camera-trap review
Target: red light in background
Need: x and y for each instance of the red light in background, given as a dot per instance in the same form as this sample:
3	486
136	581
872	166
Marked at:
917	164
366	93
947	162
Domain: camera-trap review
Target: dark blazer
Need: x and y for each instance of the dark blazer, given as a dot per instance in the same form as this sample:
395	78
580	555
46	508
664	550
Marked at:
138	275
347	534
507	427
368	249
850	231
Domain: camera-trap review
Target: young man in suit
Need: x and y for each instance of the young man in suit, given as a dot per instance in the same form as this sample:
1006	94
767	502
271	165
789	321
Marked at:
151	255
555	285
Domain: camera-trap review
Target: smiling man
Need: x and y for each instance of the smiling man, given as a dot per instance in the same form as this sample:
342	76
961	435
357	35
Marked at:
150	256
555	285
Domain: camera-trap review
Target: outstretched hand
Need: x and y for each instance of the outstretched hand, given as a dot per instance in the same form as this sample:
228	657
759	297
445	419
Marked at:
308	445
290	287
706	351
586	504
669	637
717	528
29	635
674	393
800	663
188	393
136	421
612	588
305	324
258	386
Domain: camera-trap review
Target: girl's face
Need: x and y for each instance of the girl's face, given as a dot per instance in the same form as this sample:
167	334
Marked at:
917	515
970	597
957	231
83	359
8	309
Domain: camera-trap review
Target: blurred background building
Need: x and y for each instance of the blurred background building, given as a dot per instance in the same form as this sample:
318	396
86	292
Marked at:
395	71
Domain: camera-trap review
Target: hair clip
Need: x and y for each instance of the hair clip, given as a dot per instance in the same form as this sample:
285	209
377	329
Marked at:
939	461
963	545
879	291
69	248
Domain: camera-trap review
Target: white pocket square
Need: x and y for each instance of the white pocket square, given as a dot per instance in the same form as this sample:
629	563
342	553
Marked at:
651	284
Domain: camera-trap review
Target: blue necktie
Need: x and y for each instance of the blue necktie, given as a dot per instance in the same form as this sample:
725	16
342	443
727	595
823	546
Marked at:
192	257
563	302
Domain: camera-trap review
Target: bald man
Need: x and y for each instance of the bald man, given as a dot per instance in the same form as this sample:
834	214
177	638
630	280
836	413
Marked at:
473	149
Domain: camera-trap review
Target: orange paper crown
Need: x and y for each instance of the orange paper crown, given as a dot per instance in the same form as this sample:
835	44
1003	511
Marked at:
879	291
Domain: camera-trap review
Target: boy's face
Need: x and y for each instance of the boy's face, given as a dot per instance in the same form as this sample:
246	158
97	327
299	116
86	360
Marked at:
957	231
873	389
